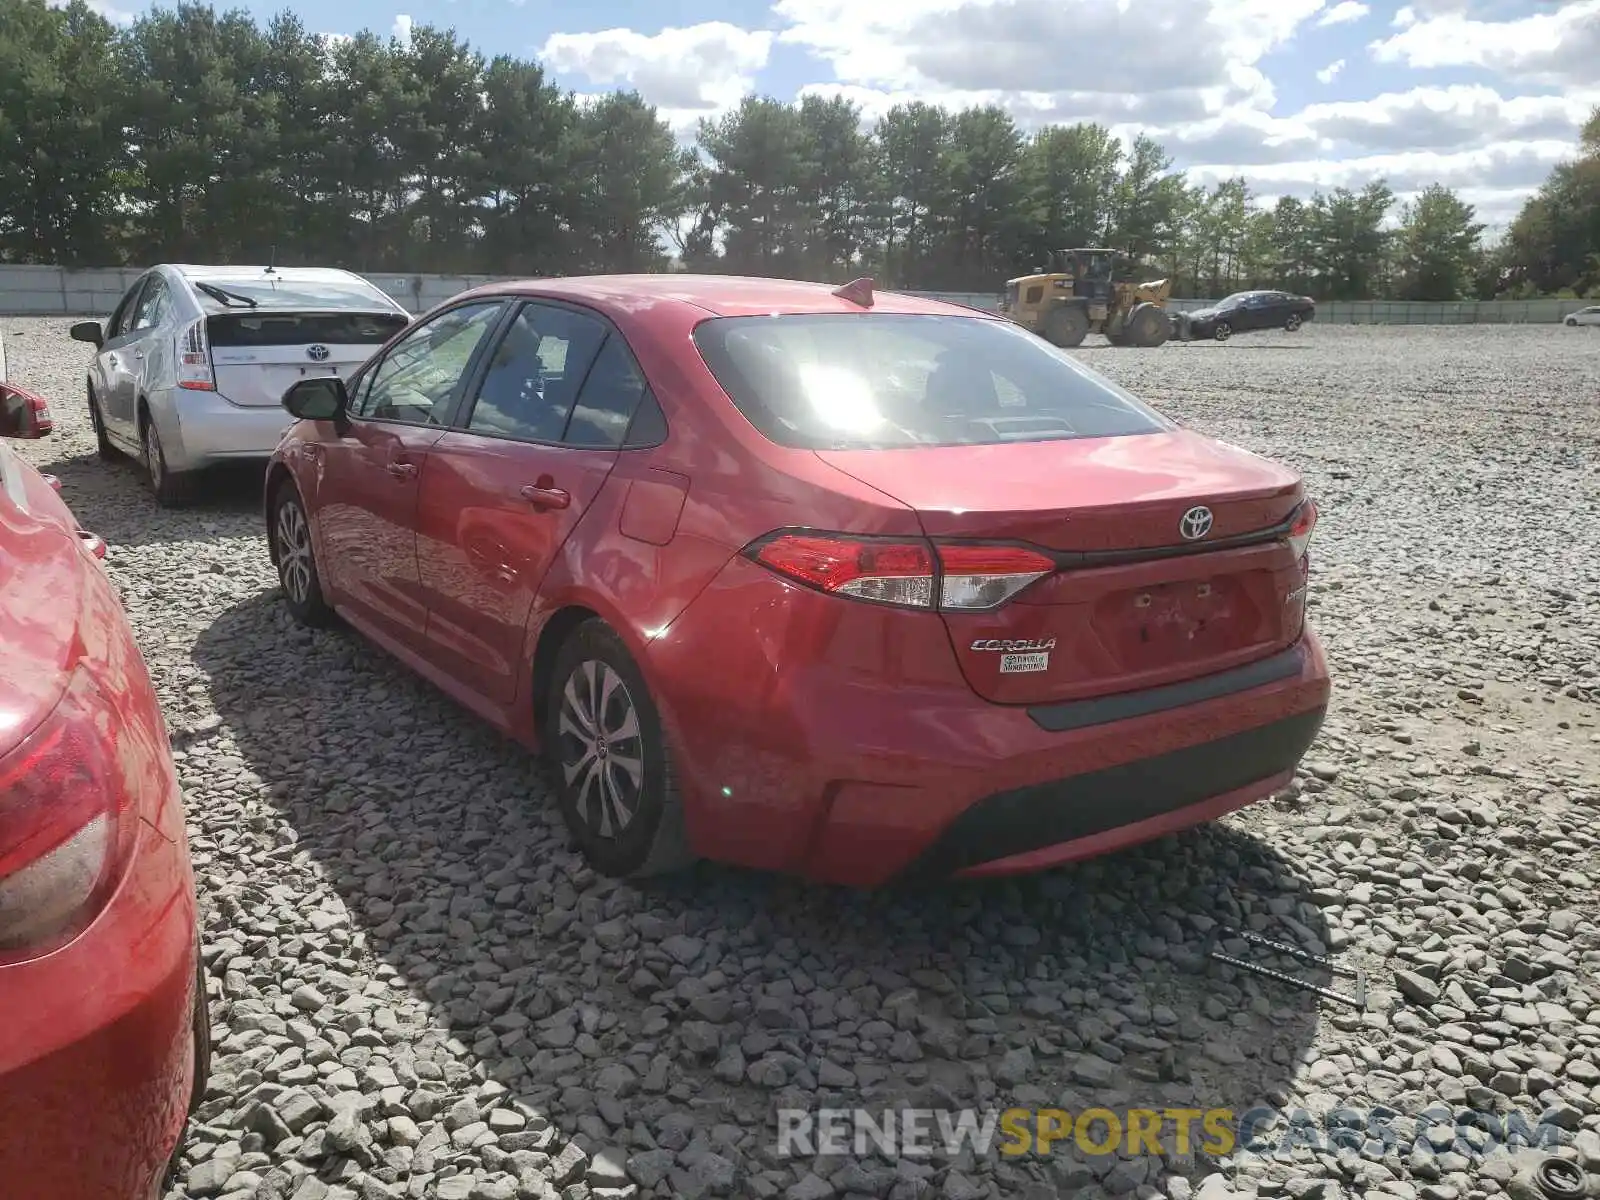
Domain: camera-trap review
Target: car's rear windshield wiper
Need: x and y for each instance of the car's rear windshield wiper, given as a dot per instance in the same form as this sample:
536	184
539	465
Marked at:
224	296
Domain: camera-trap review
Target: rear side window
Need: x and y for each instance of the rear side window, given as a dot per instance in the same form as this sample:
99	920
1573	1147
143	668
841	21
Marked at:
533	379
845	381
607	402
304	329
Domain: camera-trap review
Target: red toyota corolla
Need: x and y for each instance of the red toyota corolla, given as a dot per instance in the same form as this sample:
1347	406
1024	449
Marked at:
104	1038
849	585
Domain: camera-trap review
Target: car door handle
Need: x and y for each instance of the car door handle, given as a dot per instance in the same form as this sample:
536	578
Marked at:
546	497
403	470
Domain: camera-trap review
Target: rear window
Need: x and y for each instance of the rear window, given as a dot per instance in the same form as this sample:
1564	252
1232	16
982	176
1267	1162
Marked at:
288	294
843	381
255	328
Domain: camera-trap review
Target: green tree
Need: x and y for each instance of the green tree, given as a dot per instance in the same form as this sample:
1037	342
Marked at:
913	154
62	154
1437	246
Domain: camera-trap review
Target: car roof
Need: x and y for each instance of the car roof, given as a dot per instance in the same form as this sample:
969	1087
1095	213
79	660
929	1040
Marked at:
720	295
285	274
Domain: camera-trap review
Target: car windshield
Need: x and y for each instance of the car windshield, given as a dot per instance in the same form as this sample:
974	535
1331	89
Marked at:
876	381
1236	298
292	294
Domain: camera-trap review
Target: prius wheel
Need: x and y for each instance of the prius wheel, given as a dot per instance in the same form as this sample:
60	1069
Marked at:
296	557
1223	331
172	489
618	792
102	443
1293	323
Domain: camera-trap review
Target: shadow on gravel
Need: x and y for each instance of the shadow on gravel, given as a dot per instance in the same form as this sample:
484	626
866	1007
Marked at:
669	1025
111	499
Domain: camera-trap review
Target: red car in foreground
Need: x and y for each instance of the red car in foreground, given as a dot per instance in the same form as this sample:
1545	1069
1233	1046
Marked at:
849	585
104	1039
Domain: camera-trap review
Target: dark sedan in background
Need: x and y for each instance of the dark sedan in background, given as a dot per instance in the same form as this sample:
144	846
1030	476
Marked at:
1247	312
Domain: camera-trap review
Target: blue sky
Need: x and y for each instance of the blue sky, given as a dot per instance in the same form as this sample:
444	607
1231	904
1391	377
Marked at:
1483	95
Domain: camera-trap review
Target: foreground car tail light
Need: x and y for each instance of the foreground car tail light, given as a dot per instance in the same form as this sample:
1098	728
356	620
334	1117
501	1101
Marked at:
1305	524
194	359
907	573
885	572
66	824
983	577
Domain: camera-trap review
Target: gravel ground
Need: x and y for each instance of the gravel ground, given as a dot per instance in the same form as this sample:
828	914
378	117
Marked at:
419	991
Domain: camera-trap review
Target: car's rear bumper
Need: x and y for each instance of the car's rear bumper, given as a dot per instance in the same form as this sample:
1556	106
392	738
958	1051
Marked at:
201	429
96	1044
846	746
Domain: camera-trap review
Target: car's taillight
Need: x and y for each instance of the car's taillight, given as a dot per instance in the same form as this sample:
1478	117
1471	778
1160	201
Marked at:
194	359
908	573
66	828
975	578
1305	524
885	572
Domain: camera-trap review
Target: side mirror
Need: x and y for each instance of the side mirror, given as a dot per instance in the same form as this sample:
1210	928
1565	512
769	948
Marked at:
23	415
92	332
319	399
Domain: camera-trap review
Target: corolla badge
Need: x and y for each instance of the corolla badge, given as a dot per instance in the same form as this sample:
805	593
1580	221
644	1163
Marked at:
1001	646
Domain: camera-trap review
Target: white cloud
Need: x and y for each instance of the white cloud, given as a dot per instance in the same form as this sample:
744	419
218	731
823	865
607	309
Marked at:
1343	13
1195	74
117	16
402	29
1557	49
687	72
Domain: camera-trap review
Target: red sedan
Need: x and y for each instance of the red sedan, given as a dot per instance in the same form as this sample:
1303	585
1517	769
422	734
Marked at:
848	585
104	1041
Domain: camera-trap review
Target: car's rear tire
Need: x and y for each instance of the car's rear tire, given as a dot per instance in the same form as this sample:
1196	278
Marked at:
1292	325
295	552
1222	332
171	489
102	443
614	772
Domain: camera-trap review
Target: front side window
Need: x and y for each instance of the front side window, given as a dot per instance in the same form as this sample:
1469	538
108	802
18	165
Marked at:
417	381
875	380
533	380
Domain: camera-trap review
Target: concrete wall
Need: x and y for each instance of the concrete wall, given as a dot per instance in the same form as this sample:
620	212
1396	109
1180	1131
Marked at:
52	291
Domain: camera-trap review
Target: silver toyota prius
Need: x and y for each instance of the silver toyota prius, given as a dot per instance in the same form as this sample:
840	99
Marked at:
190	369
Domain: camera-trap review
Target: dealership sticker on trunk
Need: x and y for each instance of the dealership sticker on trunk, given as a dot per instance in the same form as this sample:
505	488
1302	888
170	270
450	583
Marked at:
1018	664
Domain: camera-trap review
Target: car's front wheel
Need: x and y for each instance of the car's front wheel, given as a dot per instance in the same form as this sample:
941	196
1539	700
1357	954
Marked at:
1572	322
296	556
618	794
1293	323
97	419
1222	332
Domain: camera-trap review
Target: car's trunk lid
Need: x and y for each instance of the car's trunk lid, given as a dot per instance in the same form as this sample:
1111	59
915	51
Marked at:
1133	602
258	355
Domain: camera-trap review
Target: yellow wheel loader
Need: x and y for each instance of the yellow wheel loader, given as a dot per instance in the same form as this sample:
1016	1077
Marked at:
1079	297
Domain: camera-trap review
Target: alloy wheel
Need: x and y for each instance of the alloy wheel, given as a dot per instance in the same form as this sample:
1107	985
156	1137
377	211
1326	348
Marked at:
601	748
154	461
294	552
1293	322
